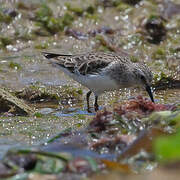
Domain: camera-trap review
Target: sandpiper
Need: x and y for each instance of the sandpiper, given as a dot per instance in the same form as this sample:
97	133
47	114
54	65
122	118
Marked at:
101	72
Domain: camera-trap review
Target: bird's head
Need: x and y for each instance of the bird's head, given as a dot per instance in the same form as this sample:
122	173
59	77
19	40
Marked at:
144	77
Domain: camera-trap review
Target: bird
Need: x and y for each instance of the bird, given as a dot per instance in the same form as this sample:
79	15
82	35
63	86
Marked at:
103	71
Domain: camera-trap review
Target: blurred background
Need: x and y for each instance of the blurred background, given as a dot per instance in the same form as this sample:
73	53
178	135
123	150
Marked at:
145	30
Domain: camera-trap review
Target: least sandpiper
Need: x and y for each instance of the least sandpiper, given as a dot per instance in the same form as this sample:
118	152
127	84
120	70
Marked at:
101	72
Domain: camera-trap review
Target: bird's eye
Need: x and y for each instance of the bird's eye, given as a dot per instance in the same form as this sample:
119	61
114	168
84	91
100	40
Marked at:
142	77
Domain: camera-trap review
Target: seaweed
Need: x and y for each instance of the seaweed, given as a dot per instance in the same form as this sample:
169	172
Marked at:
44	17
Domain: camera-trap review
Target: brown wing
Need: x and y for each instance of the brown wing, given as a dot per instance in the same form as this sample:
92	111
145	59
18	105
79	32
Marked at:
89	63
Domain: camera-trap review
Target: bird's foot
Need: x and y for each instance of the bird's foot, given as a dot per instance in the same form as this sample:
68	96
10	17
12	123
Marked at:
96	108
89	111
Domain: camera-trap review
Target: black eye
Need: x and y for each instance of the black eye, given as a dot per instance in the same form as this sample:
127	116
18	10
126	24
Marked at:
142	77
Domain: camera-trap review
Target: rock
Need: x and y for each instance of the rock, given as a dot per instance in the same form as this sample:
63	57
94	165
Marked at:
155	29
13	105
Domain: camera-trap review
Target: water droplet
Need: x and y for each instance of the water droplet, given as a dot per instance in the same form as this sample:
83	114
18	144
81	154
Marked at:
116	18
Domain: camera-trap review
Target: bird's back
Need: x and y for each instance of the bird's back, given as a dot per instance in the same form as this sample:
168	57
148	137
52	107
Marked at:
87	63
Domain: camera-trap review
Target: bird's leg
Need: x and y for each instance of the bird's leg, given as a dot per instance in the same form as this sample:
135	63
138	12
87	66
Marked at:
96	106
87	98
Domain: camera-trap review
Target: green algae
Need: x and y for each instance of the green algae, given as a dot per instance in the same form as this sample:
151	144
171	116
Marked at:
66	20
14	65
134	59
4	41
160	53
77	10
90	10
44	45
122	6
38	115
81	11
4	18
161	76
45	18
43	13
38	93
167	148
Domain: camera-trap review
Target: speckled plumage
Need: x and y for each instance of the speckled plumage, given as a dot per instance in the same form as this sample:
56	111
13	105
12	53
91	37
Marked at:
100	71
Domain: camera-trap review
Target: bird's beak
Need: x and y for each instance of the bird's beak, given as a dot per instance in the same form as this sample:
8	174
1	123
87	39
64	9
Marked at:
148	89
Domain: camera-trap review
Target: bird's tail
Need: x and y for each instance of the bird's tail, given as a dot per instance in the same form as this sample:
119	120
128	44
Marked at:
53	55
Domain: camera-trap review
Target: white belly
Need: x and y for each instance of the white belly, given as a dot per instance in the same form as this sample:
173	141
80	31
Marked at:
96	83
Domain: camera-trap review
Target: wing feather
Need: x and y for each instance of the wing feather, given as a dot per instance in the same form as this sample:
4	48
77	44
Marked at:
89	63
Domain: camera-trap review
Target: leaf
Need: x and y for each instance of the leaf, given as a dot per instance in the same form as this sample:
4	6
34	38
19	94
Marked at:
61	134
43	153
47	165
167	149
93	164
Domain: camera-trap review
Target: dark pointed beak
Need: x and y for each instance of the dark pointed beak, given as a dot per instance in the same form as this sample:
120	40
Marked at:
148	89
